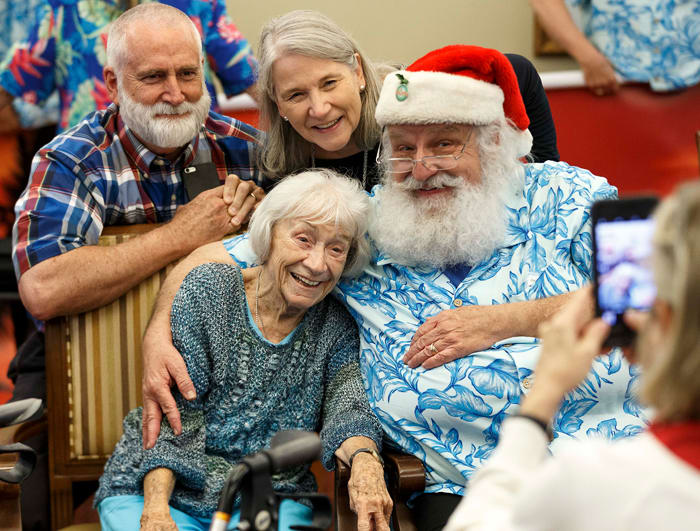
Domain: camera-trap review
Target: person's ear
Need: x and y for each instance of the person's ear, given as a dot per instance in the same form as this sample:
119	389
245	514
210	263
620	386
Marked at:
359	71
110	78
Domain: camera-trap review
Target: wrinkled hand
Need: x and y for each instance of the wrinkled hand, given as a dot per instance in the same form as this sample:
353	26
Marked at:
204	219
599	75
455	333
242	198
570	342
157	520
163	366
369	498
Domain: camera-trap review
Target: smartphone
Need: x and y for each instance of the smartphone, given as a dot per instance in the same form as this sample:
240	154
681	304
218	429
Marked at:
622	275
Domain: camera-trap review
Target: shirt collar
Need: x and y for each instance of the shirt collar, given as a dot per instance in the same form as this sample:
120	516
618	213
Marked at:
681	438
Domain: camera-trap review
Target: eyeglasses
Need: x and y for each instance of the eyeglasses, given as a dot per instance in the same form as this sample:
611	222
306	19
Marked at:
444	161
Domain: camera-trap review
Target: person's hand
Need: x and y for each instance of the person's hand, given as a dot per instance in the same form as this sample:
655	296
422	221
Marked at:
454	334
570	341
203	220
369	498
599	74
242	197
162	366
636	320
157	519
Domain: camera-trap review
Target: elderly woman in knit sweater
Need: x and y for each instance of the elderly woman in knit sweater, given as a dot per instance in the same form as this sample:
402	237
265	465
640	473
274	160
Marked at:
267	351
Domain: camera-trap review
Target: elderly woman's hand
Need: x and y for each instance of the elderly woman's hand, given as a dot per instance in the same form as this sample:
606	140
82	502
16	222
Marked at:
368	495
157	520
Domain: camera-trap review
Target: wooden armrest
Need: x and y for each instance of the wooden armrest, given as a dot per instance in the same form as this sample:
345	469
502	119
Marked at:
406	474
345	518
138	228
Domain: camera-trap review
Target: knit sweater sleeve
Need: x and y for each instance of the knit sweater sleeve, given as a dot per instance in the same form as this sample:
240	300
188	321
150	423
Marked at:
191	323
346	410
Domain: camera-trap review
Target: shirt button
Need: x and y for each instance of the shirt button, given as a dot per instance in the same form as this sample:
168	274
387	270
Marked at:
656	50
458	302
173	198
527	383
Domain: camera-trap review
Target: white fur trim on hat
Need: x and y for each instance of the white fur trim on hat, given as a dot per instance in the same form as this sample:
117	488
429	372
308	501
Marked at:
437	97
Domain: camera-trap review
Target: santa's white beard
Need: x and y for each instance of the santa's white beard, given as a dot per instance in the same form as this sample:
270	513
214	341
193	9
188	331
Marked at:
465	226
162	132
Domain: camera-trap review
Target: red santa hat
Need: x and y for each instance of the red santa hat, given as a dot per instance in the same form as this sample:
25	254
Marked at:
455	84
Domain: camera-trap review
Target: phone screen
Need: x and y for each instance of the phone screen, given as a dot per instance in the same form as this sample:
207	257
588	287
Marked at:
623	262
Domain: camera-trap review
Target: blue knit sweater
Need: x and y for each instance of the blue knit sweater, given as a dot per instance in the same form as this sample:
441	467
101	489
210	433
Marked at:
247	390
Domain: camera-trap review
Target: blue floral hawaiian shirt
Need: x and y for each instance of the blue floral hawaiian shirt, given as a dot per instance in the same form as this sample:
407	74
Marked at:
650	41
450	416
65	51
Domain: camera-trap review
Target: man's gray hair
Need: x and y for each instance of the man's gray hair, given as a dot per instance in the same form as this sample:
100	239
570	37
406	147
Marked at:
311	34
157	15
318	197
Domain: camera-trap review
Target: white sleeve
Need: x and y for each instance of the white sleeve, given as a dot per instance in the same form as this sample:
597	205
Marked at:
493	491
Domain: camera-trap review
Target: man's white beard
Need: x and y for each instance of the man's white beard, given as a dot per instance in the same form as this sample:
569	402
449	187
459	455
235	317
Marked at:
164	132
465	226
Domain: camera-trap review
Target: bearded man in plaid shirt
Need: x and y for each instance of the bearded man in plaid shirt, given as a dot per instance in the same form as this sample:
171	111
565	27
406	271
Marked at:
128	164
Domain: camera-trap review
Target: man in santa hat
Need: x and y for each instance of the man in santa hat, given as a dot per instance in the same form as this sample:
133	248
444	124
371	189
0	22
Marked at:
472	249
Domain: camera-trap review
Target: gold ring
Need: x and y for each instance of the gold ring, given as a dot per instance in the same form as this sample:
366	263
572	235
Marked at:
432	349
251	194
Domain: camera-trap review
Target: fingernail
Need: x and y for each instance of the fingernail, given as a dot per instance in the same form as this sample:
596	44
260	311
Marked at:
236	221
190	395
232	211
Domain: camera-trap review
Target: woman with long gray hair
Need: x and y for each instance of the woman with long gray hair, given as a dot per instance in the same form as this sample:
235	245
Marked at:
318	92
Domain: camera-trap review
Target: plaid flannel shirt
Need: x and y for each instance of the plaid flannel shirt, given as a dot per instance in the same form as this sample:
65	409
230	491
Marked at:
99	174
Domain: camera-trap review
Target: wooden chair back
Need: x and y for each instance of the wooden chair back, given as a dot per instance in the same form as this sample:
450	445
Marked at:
93	367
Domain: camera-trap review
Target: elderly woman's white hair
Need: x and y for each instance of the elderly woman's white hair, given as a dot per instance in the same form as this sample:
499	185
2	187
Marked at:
318	196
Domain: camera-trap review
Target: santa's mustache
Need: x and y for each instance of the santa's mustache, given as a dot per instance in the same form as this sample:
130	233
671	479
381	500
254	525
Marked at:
439	180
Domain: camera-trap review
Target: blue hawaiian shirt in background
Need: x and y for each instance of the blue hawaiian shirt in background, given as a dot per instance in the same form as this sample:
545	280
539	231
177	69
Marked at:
450	416
654	41
65	51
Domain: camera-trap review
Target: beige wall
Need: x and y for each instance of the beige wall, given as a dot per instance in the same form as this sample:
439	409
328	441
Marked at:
405	30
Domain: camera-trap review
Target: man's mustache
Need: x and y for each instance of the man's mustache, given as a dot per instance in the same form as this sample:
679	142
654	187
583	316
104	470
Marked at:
440	180
167	108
